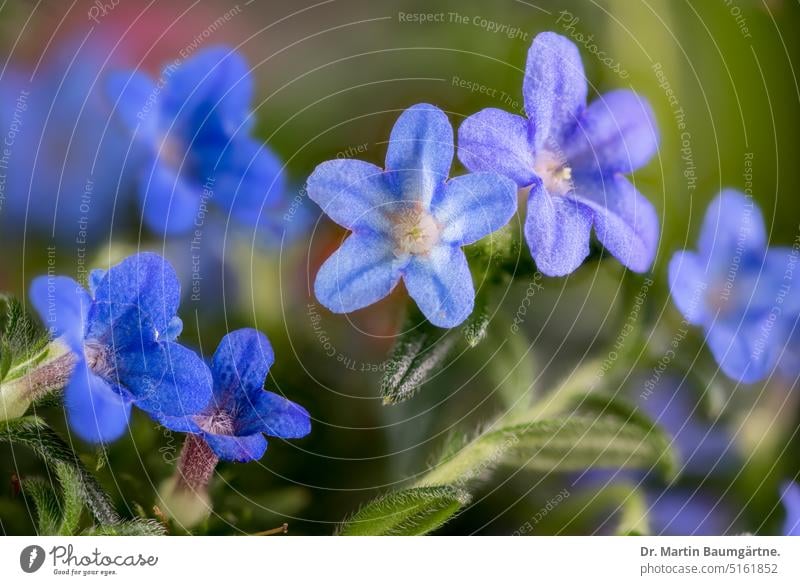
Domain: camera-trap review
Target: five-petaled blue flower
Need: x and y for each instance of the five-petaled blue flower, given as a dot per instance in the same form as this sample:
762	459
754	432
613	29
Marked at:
791	503
408	221
573	158
241	411
193	130
737	289
123	335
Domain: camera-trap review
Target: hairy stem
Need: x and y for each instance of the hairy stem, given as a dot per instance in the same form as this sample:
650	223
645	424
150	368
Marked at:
196	465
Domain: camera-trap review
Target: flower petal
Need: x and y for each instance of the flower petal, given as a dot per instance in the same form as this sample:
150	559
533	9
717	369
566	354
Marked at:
688	284
557	230
473	206
242	449
169	201
791	503
625	222
132	94
494	140
777	288
617	133
179	424
165	379
746	351
145	282
62	305
274	415
248	178
733	225
420	152
555	87
352	193
361	272
240	366
211	91
95	412
441	285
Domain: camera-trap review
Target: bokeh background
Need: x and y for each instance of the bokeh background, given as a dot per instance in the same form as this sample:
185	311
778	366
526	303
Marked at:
332	76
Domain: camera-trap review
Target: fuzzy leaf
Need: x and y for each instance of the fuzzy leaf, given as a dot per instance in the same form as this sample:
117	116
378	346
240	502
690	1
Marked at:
34	433
410	512
571	443
71	500
138	527
415	355
47	504
23	342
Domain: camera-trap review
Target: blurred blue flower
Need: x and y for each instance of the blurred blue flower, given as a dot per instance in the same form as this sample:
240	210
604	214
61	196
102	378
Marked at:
791	503
702	446
193	127
241	411
123	333
737	289
62	172
572	157
684	512
408	221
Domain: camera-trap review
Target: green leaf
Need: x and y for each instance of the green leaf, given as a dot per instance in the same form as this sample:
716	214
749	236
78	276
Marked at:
34	433
23	342
602	404
410	512
571	443
72	499
138	527
510	368
47	504
415	355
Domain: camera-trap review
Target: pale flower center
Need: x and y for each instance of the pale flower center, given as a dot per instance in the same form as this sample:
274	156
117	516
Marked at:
172	151
414	231
98	358
219	423
554	172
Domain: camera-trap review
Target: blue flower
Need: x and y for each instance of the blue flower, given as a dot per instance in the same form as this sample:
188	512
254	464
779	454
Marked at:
791	503
737	289
241	411
65	165
408	221
572	157
123	333
192	128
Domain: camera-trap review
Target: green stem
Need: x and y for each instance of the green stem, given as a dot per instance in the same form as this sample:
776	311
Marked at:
51	373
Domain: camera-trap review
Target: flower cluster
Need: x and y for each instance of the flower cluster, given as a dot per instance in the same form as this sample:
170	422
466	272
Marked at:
409	221
123	332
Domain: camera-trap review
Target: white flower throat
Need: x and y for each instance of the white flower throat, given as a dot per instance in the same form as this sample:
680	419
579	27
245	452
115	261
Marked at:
414	231
554	172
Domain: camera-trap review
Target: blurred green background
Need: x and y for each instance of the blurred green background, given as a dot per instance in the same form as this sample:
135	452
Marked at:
332	77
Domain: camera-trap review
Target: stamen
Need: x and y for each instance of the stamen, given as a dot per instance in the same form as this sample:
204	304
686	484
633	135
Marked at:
554	172
414	230
98	357
218	423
